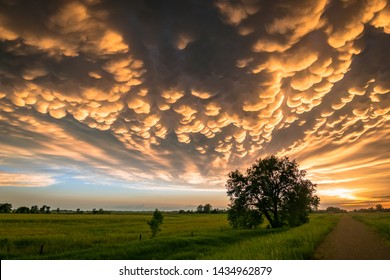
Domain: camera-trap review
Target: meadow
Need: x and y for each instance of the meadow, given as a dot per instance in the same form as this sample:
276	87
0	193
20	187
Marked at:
127	236
378	222
298	243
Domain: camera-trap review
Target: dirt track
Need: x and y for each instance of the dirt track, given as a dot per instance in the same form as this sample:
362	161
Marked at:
351	240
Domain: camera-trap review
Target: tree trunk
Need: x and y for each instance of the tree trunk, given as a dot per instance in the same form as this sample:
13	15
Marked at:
276	214
267	215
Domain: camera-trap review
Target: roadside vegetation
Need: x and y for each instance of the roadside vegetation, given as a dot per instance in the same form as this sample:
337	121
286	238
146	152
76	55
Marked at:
378	222
298	243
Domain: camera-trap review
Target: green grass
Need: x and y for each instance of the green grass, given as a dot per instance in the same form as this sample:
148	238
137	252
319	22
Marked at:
294	244
378	222
113	236
116	236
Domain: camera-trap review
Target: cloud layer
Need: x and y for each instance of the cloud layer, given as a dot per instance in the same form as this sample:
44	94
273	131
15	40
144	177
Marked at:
181	92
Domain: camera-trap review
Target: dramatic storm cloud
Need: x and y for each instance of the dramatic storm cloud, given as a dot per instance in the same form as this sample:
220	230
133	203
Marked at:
124	100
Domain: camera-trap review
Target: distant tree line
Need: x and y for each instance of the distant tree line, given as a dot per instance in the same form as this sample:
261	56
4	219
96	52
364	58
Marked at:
204	209
208	209
45	209
378	208
333	209
100	211
7	208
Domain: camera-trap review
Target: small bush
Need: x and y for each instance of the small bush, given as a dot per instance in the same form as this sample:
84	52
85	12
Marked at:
155	222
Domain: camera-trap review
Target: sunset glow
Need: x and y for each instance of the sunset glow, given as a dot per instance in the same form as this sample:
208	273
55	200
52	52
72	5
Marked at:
134	105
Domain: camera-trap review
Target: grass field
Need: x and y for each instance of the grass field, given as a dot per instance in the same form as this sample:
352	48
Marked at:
379	222
294	244
183	236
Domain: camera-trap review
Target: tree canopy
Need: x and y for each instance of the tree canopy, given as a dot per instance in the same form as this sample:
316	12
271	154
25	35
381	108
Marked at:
273	187
5	208
207	208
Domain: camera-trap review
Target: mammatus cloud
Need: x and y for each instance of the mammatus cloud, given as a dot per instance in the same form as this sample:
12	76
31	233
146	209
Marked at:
183	92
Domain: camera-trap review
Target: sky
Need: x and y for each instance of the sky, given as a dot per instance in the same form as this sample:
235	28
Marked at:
136	105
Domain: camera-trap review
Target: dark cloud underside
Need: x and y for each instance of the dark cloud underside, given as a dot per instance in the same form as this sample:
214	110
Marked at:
181	92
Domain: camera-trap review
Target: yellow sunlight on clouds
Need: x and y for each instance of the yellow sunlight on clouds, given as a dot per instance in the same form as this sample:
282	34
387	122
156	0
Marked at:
182	97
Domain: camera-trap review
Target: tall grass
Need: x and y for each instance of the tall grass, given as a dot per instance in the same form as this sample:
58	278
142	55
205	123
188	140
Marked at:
378	222
116	236
294	244
183	236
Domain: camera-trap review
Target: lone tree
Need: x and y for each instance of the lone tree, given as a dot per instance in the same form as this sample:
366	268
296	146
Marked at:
379	207
155	222
273	187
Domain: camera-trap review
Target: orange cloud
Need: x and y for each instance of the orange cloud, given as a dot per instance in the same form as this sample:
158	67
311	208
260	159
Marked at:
8	179
201	97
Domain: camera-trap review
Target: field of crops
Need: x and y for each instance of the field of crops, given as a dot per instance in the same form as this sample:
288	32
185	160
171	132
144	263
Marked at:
127	236
378	222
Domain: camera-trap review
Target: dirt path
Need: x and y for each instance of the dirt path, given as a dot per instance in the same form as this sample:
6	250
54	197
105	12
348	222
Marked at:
352	240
